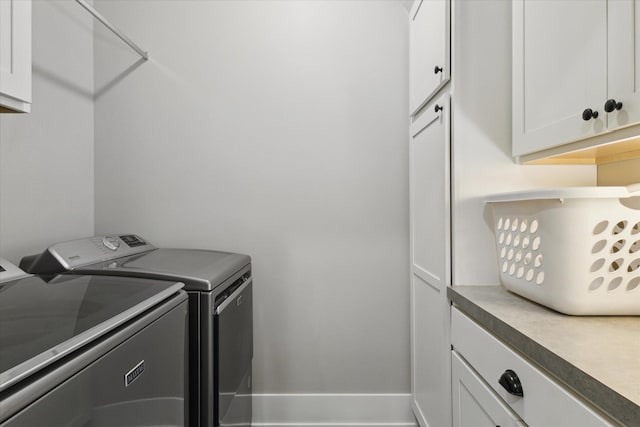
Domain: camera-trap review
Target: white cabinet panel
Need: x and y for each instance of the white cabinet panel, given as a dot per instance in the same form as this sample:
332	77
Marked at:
624	62
475	404
430	263
559	71
15	55
429	50
429	377
429	183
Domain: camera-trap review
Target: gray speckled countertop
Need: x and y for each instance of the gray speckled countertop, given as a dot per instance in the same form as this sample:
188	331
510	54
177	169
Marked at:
598	357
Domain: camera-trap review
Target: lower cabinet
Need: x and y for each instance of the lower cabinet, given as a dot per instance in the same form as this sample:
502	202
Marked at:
474	403
494	384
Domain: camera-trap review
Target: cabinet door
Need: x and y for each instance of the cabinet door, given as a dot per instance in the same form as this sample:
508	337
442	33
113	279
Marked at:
429	50
475	404
559	71
15	55
624	62
430	264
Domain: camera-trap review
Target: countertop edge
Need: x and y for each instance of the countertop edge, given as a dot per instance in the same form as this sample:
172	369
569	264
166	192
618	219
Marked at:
603	397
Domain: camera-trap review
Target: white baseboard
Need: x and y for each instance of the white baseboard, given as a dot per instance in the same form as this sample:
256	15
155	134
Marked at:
332	410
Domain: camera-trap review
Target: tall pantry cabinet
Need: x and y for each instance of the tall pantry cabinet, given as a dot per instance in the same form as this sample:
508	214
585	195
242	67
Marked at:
430	220
460	139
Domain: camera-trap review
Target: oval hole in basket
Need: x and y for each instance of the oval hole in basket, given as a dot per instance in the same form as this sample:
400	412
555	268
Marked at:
597	265
619	227
512	269
600	244
635	229
505	266
516	240
519	256
635	247
538	261
540	278
503	252
617	246
523	225
616	265
525	242
508	239
515	224
507	223
530	274
501	238
634	265
527	258
499	223
534	226
510	254
600	227
633	284
596	283
536	243
520	272
613	284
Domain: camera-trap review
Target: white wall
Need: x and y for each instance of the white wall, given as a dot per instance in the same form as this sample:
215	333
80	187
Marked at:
481	147
278	129
46	157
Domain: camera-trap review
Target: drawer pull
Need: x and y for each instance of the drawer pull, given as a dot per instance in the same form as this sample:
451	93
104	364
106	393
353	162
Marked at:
510	381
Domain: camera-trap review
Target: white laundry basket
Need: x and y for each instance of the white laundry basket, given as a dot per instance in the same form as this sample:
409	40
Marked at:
575	250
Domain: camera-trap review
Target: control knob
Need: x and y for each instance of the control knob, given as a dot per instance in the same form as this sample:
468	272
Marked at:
111	242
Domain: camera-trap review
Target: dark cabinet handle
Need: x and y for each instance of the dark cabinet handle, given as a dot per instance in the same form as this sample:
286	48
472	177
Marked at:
438	108
611	105
588	114
510	381
437	70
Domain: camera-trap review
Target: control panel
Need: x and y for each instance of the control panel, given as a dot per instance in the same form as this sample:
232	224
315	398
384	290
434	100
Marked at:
77	253
8	271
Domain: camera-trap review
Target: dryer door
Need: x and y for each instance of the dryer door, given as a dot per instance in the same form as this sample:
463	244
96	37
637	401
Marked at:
234	352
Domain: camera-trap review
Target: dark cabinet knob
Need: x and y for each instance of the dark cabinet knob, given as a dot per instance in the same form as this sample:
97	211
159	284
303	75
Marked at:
611	105
437	70
510	381
588	114
438	108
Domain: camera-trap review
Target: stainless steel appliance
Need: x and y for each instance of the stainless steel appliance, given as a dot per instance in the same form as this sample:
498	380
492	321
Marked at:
219	285
91	351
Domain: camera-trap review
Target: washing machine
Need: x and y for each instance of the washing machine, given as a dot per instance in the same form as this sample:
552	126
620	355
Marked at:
219	285
91	351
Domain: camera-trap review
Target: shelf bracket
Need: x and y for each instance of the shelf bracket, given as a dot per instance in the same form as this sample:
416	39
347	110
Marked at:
113	29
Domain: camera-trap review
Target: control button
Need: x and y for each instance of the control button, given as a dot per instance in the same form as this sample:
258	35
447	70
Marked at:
111	242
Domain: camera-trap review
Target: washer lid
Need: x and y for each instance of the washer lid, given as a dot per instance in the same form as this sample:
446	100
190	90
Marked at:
41	322
199	270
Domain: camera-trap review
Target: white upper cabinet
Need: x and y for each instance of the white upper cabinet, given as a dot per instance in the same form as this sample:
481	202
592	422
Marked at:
15	55
571	61
429	50
624	62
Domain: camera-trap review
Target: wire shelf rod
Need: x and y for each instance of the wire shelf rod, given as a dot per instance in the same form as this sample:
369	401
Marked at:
113	29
